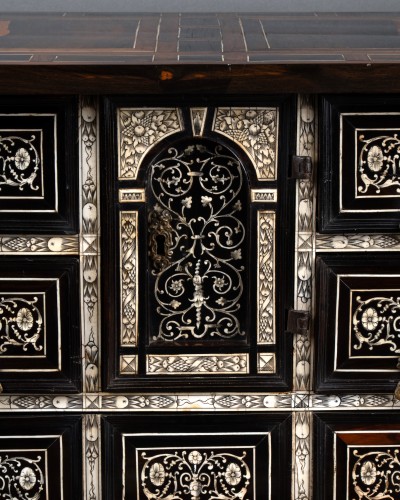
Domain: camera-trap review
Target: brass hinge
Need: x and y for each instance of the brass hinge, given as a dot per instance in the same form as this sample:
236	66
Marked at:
298	322
301	167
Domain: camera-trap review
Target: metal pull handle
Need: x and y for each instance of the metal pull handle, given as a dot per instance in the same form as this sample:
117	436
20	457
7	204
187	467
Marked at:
160	241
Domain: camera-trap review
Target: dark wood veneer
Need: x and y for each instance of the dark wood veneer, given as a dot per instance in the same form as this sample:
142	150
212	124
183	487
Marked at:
189	79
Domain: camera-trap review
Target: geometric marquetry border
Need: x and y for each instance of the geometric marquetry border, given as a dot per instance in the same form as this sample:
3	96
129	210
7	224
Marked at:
263	402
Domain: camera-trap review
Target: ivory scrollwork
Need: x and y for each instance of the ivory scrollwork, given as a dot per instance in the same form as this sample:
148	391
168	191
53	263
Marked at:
378	165
195	474
19	162
196	233
21	325
21	477
376	322
376	474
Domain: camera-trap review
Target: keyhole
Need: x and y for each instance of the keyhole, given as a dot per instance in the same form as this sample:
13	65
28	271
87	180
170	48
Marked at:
160	242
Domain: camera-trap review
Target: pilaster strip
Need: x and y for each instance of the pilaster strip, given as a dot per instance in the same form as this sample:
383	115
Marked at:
92	463
302	446
266	277
90	288
304	269
89	247
129	278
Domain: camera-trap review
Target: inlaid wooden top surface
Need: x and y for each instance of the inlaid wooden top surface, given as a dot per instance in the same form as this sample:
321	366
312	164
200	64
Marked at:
148	39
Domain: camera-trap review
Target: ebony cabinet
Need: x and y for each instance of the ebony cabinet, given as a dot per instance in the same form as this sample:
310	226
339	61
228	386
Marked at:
189	306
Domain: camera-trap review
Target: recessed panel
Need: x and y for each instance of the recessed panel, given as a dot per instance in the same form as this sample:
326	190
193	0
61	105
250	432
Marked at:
360	177
39	335
197	456
39	457
176	470
197	234
358	457
194	244
358	314
38	174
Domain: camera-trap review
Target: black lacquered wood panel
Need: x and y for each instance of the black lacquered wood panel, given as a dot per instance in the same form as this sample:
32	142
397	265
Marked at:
38	165
40	457
358	341
356	455
192	258
40	334
359	173
199	456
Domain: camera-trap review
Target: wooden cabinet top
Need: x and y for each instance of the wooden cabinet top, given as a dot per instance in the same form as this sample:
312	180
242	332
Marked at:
224	53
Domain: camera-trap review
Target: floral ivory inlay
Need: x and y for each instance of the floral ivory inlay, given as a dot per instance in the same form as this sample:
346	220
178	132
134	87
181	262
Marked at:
376	322
376	474
21	325
20	478
196	243
20	164
194	474
378	166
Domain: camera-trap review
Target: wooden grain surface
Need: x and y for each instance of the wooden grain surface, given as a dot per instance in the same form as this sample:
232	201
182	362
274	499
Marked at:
195	79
